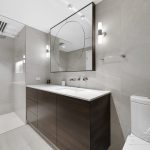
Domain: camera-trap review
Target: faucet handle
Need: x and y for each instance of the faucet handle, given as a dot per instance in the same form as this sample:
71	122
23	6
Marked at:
79	79
82	78
72	79
85	78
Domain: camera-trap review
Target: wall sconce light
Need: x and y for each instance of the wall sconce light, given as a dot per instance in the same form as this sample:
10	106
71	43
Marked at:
83	17
47	51
62	45
24	59
101	34
69	6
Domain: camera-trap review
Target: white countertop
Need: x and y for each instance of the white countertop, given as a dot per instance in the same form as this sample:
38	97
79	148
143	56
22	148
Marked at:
80	93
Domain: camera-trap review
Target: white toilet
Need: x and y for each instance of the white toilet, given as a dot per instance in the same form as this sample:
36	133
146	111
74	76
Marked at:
140	124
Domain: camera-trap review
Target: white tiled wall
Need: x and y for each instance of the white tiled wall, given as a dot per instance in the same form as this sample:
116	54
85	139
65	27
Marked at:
37	65
19	85
6	75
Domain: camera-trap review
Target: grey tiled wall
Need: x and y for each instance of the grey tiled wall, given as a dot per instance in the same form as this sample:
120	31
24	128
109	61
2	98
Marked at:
19	86
6	75
37	65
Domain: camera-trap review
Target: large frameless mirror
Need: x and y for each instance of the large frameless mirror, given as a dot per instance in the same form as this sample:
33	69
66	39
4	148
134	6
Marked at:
72	42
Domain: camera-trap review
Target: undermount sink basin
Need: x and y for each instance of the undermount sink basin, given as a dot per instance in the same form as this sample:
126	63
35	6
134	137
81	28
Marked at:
70	89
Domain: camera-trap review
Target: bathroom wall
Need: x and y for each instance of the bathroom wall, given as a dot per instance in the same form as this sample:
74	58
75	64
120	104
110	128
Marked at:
128	32
76	55
6	75
31	44
37	65
65	61
84	58
19	75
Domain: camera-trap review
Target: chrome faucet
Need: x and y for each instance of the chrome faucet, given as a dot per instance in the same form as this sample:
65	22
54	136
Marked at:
85	78
79	79
72	79
82	78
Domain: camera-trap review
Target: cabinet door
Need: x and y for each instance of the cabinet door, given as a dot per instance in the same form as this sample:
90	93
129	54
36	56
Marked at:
47	115
100	123
31	102
73	124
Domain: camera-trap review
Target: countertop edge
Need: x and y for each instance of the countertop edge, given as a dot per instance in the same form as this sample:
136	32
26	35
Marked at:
72	96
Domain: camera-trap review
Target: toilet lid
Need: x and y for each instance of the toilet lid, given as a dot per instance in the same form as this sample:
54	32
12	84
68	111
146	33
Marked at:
135	143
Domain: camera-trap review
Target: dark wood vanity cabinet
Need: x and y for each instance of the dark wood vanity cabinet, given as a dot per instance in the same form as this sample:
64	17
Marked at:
100	123
83	125
47	115
73	124
70	123
31	104
41	112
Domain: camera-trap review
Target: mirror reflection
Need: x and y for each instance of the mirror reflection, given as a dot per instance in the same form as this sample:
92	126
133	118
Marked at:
71	42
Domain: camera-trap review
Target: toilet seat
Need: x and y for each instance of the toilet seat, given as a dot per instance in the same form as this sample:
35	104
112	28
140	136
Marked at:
135	143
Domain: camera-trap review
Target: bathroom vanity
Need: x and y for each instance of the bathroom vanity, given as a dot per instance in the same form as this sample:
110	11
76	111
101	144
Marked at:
70	118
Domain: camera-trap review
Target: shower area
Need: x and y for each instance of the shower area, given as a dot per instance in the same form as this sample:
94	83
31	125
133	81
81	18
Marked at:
12	74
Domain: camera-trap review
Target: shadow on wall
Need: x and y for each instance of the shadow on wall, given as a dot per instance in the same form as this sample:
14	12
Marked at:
115	126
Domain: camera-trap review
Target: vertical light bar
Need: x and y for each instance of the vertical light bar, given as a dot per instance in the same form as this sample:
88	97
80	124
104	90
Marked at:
24	59
47	51
100	33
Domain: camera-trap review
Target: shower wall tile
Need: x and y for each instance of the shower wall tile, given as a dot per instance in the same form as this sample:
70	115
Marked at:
37	65
19	85
6	75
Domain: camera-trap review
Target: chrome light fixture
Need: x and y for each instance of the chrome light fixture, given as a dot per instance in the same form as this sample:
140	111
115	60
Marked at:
83	17
24	59
62	45
69	6
47	51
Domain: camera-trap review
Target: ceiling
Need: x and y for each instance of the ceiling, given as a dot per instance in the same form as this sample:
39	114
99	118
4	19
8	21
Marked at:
40	14
75	33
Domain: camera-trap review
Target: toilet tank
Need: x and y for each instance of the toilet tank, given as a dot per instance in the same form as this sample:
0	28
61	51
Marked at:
140	117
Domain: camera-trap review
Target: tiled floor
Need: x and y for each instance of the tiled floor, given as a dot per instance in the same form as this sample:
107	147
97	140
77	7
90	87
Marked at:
9	122
22	138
